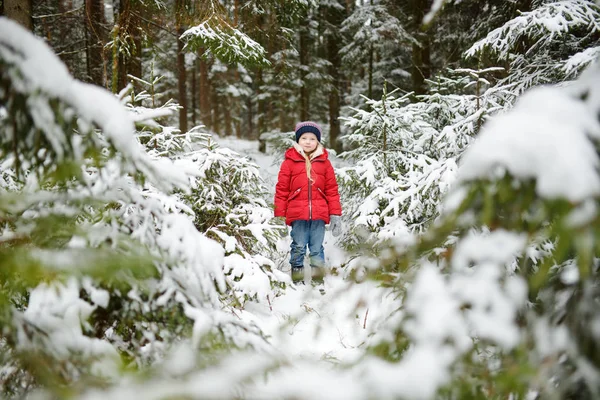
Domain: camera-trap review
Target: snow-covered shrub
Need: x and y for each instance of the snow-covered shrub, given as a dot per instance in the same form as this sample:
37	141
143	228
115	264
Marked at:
404	157
225	201
228	201
498	293
102	268
543	45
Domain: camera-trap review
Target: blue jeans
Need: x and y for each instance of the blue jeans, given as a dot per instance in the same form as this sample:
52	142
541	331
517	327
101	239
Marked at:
311	234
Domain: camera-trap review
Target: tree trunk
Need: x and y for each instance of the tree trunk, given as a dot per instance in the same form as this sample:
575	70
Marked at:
123	22
129	26
194	94
96	34
335	17
304	103
227	115
421	62
236	12
250	109
262	145
134	64
181	80
238	128
204	90
216	113
181	76
19	11
370	87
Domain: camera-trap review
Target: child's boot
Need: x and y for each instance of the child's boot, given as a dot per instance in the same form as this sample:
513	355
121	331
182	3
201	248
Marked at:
298	275
318	274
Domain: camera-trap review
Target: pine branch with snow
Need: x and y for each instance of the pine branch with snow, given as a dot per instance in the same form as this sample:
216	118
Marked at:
103	269
225	42
540	45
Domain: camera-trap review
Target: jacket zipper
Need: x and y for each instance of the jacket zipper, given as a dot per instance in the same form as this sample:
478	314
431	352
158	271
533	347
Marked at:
310	195
309	200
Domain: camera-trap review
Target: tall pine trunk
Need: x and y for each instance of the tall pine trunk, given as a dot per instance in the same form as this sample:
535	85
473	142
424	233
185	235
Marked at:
128	25
304	101
204	90
237	100
261	106
421	60
134	64
262	145
216	113
19	11
96	36
181	83
227	100
335	17
181	73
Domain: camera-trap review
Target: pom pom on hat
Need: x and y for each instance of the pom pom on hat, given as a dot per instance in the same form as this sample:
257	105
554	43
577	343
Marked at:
307	126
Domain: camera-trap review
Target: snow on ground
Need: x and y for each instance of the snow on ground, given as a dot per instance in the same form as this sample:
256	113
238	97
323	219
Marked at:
303	322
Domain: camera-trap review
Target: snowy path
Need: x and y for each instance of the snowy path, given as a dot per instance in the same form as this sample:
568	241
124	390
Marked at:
332	327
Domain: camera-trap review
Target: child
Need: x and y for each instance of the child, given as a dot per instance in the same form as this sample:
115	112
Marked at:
307	196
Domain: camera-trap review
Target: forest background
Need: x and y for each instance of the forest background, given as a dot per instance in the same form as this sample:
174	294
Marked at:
134	248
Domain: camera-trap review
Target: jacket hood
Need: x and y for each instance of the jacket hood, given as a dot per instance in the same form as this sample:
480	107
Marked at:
296	153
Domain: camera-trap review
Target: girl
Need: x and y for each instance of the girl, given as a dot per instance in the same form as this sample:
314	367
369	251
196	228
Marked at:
307	196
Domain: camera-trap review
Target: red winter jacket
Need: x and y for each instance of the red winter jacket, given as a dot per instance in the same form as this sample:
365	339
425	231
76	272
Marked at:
295	199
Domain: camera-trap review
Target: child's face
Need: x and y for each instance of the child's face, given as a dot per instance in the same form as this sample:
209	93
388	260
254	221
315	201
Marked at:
308	141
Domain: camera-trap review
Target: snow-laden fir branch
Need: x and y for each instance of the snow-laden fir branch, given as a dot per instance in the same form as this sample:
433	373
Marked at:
225	42
30	70
542	25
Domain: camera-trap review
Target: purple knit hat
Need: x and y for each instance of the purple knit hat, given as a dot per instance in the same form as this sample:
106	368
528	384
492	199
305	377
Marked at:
307	126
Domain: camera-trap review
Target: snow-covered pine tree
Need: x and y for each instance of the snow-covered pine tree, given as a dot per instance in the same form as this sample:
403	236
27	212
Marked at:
102	268
226	203
375	39
404	155
517	244
549	44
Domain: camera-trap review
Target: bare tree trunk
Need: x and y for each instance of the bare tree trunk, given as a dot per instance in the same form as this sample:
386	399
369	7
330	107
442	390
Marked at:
123	23
421	62
96	34
181	80
134	64
261	106
284	125
227	115
19	11
204	90
216	113
181	76
370	72
236	12
304	103
335	17
194	93
237	100
238	128
262	145
250	108
128	25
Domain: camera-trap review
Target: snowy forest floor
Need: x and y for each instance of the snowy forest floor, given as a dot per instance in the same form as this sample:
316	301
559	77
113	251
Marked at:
303	322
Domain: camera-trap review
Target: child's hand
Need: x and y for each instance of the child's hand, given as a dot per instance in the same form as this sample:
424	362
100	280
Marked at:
335	224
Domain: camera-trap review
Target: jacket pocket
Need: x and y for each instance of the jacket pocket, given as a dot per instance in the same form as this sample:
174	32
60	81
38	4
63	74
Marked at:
296	193
322	194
